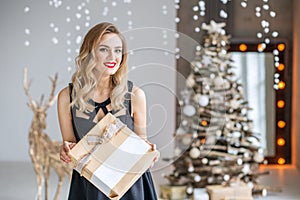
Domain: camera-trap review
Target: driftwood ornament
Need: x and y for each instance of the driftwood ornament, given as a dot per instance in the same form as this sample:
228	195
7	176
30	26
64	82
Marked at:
43	151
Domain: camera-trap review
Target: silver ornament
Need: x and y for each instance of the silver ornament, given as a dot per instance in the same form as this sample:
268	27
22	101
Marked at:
184	122
203	100
189	110
186	140
194	152
204	161
218	81
226	177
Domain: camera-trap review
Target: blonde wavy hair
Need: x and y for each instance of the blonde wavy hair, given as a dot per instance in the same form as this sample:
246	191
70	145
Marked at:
84	80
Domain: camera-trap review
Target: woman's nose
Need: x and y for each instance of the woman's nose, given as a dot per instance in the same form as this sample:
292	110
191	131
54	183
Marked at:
111	54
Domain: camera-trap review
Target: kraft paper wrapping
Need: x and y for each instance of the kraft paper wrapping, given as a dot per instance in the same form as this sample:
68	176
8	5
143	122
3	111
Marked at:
236	192
173	192
116	164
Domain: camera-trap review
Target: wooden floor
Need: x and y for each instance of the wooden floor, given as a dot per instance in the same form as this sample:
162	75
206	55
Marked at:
18	182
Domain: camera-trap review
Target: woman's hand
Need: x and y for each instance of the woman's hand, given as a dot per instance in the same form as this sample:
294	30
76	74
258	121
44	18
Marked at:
157	157
153	147
64	151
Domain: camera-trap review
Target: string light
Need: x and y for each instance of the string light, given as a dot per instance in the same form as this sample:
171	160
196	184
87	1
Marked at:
281	124
280	142
244	3
281	47
280	67
261	47
281	85
264	10
26	9
204	123
281	161
280	104
243	47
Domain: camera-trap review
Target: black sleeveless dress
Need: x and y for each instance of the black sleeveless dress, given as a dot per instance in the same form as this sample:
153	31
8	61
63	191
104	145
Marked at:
81	188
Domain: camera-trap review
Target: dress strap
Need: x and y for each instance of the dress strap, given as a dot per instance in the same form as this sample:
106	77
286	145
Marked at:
70	91
128	96
72	111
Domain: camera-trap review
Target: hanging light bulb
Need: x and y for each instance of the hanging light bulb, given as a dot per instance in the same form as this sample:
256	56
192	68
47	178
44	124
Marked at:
244	4
272	14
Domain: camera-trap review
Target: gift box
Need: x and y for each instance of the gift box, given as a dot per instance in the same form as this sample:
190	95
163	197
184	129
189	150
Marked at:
200	194
233	192
112	157
172	192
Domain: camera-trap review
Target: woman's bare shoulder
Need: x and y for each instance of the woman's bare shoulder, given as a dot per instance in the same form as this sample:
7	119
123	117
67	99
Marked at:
64	95
138	92
138	99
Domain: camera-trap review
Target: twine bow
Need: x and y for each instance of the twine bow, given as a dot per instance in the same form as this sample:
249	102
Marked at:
97	140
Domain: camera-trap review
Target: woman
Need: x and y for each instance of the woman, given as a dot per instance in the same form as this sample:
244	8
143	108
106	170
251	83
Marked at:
99	86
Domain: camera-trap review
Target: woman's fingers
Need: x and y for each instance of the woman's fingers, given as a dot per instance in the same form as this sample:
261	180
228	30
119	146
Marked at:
72	145
153	146
64	157
66	147
157	157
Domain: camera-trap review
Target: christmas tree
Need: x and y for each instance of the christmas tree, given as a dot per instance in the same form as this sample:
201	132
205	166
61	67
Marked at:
215	143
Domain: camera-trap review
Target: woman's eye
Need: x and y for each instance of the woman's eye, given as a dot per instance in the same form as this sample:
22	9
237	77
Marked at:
118	51
103	49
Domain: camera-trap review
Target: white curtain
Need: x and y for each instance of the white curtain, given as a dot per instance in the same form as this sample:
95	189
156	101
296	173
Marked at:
255	71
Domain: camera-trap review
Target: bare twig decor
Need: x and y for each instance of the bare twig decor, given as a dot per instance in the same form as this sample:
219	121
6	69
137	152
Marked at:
43	151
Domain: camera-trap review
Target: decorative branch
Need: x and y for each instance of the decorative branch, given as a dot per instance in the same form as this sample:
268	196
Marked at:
32	104
53	96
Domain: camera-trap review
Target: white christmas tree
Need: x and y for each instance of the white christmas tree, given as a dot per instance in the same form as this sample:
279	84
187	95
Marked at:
215	141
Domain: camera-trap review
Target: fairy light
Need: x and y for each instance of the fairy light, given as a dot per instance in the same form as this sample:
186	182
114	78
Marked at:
243	47
281	85
202	7
223	14
281	99
281	124
264	12
280	142
281	67
244	3
281	47
275	34
204	123
281	161
202	141
26	9
261	47
280	104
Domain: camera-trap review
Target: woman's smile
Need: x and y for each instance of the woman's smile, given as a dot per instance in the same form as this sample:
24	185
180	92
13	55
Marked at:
110	64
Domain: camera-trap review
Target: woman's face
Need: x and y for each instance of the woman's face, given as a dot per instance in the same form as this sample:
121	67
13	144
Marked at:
109	54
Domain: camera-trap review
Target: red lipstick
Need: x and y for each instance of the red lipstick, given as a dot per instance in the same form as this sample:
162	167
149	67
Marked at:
110	64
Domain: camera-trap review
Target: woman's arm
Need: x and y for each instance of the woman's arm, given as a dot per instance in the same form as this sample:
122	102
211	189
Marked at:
139	112
65	123
139	116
